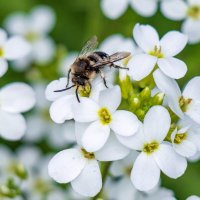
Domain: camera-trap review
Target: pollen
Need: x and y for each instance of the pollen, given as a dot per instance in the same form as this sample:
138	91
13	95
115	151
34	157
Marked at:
104	116
84	91
87	155
184	103
1	52
156	52
179	138
194	12
150	147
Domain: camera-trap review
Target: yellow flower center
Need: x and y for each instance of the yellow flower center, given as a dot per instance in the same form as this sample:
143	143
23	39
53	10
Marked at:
31	36
156	52
84	91
179	138
194	12
2	53
184	103
87	155
104	116
150	147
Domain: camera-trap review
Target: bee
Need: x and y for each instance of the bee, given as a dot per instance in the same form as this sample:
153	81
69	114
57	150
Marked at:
89	63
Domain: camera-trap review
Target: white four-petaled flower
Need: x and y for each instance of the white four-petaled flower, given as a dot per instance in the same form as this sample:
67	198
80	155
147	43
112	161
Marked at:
157	52
104	116
155	154
34	28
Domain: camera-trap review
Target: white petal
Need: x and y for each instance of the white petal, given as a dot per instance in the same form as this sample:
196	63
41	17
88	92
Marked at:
186	148
156	124
46	52
193	111
114	8
144	8
174	166
171	89
119	43
108	94
12	126
60	84
3	67
172	67
62	109
192	29
141	66
193	197
16	47
79	131
86	110
145	173
174	9
124	123
173	43
17	97
135	141
42	19
118	168
95	136
89	182
17	23
3	36
112	150
192	89
146	37
66	165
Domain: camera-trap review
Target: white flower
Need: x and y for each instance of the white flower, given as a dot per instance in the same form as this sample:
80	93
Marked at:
34	28
81	168
15	98
115	8
189	11
188	102
157	52
11	49
155	154
186	138
104	116
62	107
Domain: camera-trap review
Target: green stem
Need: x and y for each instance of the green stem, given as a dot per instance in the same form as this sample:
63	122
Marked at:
104	171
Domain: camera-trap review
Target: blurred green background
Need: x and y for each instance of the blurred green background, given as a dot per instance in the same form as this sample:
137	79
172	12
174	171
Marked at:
78	20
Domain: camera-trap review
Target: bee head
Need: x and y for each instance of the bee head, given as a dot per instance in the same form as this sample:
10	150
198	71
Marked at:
78	80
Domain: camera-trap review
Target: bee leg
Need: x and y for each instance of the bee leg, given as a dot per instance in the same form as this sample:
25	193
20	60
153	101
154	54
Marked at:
77	95
68	75
103	77
118	67
65	89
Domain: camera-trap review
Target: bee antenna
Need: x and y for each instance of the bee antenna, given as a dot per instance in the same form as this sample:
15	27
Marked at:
65	89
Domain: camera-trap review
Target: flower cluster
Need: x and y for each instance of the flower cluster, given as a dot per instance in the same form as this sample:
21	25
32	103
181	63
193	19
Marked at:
177	10
143	114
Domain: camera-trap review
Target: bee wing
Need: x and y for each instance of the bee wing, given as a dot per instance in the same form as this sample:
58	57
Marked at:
89	46
113	58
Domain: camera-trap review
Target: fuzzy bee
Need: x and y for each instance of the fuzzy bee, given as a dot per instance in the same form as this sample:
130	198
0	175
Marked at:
89	63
